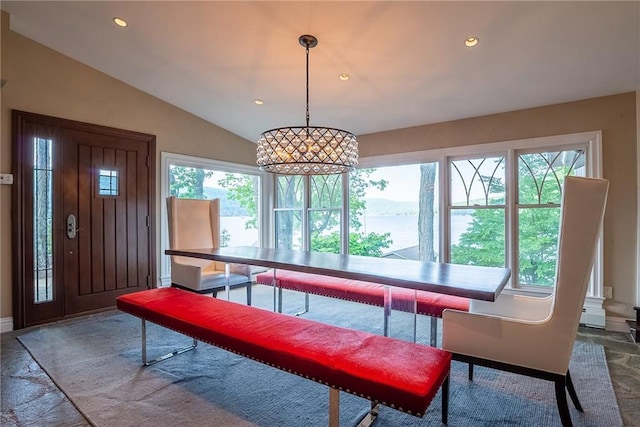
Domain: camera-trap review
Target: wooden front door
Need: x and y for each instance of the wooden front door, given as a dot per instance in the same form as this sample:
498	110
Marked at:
85	214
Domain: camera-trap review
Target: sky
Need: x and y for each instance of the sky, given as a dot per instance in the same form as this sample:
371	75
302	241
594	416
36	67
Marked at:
403	183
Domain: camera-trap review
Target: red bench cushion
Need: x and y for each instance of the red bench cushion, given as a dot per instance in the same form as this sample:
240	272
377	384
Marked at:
395	373
428	303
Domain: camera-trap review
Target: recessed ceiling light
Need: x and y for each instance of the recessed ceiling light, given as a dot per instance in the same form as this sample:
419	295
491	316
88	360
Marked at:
344	77
258	101
471	41
120	22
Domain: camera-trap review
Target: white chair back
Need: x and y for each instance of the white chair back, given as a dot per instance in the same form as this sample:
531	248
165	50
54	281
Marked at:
193	224
583	207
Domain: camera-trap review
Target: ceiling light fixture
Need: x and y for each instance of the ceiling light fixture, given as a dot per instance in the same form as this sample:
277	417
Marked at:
258	101
120	22
307	150
344	77
471	41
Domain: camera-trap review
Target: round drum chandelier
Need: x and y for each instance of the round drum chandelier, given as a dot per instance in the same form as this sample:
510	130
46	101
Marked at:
307	150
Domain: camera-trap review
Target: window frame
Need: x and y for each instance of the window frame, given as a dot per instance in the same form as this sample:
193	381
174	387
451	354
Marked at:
590	141
306	210
264	204
448	207
114	176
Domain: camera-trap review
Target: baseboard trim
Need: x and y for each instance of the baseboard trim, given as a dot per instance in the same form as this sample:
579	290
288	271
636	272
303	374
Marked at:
617	324
593	314
6	324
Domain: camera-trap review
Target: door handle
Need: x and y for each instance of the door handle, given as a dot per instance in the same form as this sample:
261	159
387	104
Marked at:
71	226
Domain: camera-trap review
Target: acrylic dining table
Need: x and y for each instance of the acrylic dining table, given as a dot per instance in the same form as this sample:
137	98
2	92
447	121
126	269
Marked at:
474	282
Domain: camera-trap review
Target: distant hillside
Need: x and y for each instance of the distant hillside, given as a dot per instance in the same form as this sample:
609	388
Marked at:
391	207
228	207
374	206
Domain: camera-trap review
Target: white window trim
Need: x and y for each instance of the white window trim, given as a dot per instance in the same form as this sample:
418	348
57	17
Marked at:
167	158
594	314
306	209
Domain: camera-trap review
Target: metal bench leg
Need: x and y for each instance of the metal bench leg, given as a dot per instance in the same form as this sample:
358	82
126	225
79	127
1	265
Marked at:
370	416
161	358
306	305
334	407
365	420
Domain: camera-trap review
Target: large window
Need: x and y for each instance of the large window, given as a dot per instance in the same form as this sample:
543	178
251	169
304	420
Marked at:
500	205
395	212
383	206
289	211
325	213
491	204
238	194
238	187
539	193
309	212
477	211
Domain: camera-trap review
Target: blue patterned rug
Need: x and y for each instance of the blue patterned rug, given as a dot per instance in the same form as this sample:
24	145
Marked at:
95	361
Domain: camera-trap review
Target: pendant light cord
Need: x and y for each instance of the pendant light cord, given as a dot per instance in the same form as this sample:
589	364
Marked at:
307	49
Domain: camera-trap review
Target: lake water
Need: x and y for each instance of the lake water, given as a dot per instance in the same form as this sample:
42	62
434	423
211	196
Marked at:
403	229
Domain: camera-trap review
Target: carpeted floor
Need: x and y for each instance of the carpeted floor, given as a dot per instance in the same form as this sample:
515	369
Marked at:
96	362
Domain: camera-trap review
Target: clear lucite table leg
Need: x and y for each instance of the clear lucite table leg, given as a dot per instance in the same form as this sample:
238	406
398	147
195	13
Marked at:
227	286
403	304
387	309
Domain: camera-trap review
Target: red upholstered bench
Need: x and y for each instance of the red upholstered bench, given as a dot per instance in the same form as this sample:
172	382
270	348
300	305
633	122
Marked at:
399	374
427	303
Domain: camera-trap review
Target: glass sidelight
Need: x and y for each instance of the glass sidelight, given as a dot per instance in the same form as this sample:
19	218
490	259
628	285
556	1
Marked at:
42	221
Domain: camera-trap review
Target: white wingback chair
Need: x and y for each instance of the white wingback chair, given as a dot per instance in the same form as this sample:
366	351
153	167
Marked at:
195	224
535	336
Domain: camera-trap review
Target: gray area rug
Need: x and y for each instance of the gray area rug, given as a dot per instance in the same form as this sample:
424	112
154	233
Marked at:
95	361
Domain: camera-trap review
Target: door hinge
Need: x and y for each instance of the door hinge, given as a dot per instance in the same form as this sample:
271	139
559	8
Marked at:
148	161
148	282
148	221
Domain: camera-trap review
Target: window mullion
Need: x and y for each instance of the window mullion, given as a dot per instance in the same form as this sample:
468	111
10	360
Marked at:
511	222
445	202
306	205
344	218
266	211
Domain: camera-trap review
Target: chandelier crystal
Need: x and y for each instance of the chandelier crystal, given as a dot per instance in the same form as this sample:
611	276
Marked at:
307	150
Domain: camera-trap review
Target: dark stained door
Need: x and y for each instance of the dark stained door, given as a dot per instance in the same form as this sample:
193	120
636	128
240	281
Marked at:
106	213
83	217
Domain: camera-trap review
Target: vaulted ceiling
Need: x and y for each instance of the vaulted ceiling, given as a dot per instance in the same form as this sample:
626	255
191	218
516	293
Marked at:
407	61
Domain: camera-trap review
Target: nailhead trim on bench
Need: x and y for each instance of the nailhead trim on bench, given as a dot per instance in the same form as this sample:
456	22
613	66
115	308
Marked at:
428	303
181	311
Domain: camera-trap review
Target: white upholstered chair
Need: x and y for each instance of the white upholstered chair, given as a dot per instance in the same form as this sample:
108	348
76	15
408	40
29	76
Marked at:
195	224
535	336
